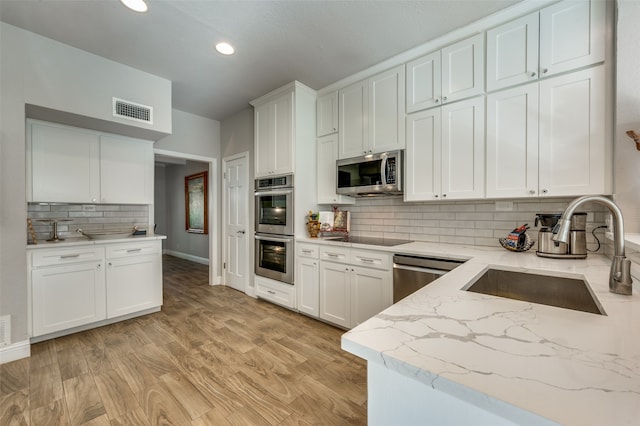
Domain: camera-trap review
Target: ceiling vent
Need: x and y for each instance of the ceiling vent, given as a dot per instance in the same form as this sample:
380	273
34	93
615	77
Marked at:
132	111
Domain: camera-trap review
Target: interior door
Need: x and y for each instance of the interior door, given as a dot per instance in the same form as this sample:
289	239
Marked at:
236	195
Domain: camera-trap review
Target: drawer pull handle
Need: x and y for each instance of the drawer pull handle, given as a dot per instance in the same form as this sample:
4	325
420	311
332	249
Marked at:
271	292
332	255
134	250
69	256
366	260
307	251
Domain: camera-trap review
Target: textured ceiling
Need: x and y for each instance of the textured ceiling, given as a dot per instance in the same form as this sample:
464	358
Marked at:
315	42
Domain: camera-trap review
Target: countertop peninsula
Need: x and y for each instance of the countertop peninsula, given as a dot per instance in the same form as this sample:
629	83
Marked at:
566	366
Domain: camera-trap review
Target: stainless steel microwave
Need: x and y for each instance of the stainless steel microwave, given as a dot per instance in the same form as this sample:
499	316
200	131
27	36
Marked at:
375	174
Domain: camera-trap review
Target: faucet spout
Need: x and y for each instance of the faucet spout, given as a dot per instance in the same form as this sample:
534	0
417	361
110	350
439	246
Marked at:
620	280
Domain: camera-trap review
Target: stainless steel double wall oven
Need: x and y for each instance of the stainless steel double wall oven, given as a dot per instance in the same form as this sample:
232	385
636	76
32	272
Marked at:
274	228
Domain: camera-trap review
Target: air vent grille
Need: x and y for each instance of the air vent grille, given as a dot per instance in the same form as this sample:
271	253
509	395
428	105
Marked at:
132	111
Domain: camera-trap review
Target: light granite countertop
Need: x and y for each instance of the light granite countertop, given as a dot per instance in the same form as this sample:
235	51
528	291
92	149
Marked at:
83	241
570	367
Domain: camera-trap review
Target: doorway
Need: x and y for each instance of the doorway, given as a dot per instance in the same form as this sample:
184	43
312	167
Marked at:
235	215
212	200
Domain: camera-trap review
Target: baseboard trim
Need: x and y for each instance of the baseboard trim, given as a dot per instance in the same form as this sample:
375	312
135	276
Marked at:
197	259
15	352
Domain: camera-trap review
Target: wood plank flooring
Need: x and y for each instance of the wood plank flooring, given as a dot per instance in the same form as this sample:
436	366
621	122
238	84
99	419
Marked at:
212	356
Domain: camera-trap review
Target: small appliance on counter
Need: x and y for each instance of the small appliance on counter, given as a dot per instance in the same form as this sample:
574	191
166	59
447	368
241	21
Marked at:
577	246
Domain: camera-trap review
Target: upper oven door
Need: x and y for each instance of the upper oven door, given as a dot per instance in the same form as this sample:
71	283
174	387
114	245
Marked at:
274	211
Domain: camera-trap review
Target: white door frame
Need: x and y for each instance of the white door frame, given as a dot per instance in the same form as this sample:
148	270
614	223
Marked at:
248	234
215	277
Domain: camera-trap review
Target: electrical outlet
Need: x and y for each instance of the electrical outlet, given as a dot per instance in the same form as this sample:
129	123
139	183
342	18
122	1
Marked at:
504	206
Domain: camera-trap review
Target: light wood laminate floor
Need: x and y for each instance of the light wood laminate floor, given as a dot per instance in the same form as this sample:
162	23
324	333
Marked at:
212	356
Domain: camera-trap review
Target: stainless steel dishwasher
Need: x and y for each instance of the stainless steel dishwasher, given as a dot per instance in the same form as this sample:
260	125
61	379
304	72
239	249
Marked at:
411	273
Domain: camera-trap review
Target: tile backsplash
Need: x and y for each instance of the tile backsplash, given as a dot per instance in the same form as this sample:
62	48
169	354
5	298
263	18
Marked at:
461	222
88	217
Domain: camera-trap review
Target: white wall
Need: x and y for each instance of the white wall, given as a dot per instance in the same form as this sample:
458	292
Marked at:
75	85
192	134
626	157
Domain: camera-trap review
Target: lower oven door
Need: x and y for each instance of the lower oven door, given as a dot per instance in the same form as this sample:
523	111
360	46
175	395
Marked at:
274	257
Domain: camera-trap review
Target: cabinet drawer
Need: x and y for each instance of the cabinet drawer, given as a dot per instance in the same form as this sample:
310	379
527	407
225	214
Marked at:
370	259
60	256
308	250
276	292
335	254
133	249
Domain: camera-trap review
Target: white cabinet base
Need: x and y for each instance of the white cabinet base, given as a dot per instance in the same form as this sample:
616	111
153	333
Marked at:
276	292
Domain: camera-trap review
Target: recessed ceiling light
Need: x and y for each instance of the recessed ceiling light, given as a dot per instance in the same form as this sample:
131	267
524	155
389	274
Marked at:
225	48
136	5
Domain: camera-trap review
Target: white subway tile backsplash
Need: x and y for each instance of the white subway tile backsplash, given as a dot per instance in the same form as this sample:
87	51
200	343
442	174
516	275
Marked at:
464	222
89	217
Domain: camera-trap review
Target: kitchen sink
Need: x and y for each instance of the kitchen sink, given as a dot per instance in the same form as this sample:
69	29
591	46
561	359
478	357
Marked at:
568	293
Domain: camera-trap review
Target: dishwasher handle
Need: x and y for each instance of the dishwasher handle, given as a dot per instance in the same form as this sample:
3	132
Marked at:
419	269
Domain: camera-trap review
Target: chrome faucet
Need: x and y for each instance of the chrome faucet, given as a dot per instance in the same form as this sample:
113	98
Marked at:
620	280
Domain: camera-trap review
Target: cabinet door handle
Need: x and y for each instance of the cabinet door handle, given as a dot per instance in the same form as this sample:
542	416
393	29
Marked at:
544	191
69	256
532	74
532	191
545	70
437	100
444	195
133	250
109	264
444	98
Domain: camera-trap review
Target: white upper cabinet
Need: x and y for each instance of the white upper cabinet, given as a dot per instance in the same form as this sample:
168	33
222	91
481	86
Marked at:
463	69
562	37
126	170
327	114
424	82
372	114
548	138
573	151
63	164
456	72
463	149
326	156
274	133
572	35
445	152
72	165
512	53
423	156
512	142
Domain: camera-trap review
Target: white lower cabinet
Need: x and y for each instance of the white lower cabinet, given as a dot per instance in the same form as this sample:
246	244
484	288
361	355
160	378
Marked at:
351	293
81	285
67	296
133	281
276	291
308	279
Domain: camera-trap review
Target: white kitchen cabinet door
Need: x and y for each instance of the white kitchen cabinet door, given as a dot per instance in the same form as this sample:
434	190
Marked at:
335	293
327	114
387	111
424	82
326	156
308	285
67	296
274	136
573	155
512	53
572	35
371	293
353	120
512	142
463	147
423	156
134	284
463	69
63	164
126	170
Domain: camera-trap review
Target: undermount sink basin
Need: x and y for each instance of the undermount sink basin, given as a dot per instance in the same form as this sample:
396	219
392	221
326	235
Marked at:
568	293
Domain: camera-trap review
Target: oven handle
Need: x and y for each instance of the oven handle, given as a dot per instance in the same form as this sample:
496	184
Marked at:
277	239
278	192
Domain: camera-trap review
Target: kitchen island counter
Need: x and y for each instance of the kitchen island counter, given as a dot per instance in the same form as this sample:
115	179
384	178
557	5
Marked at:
523	362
